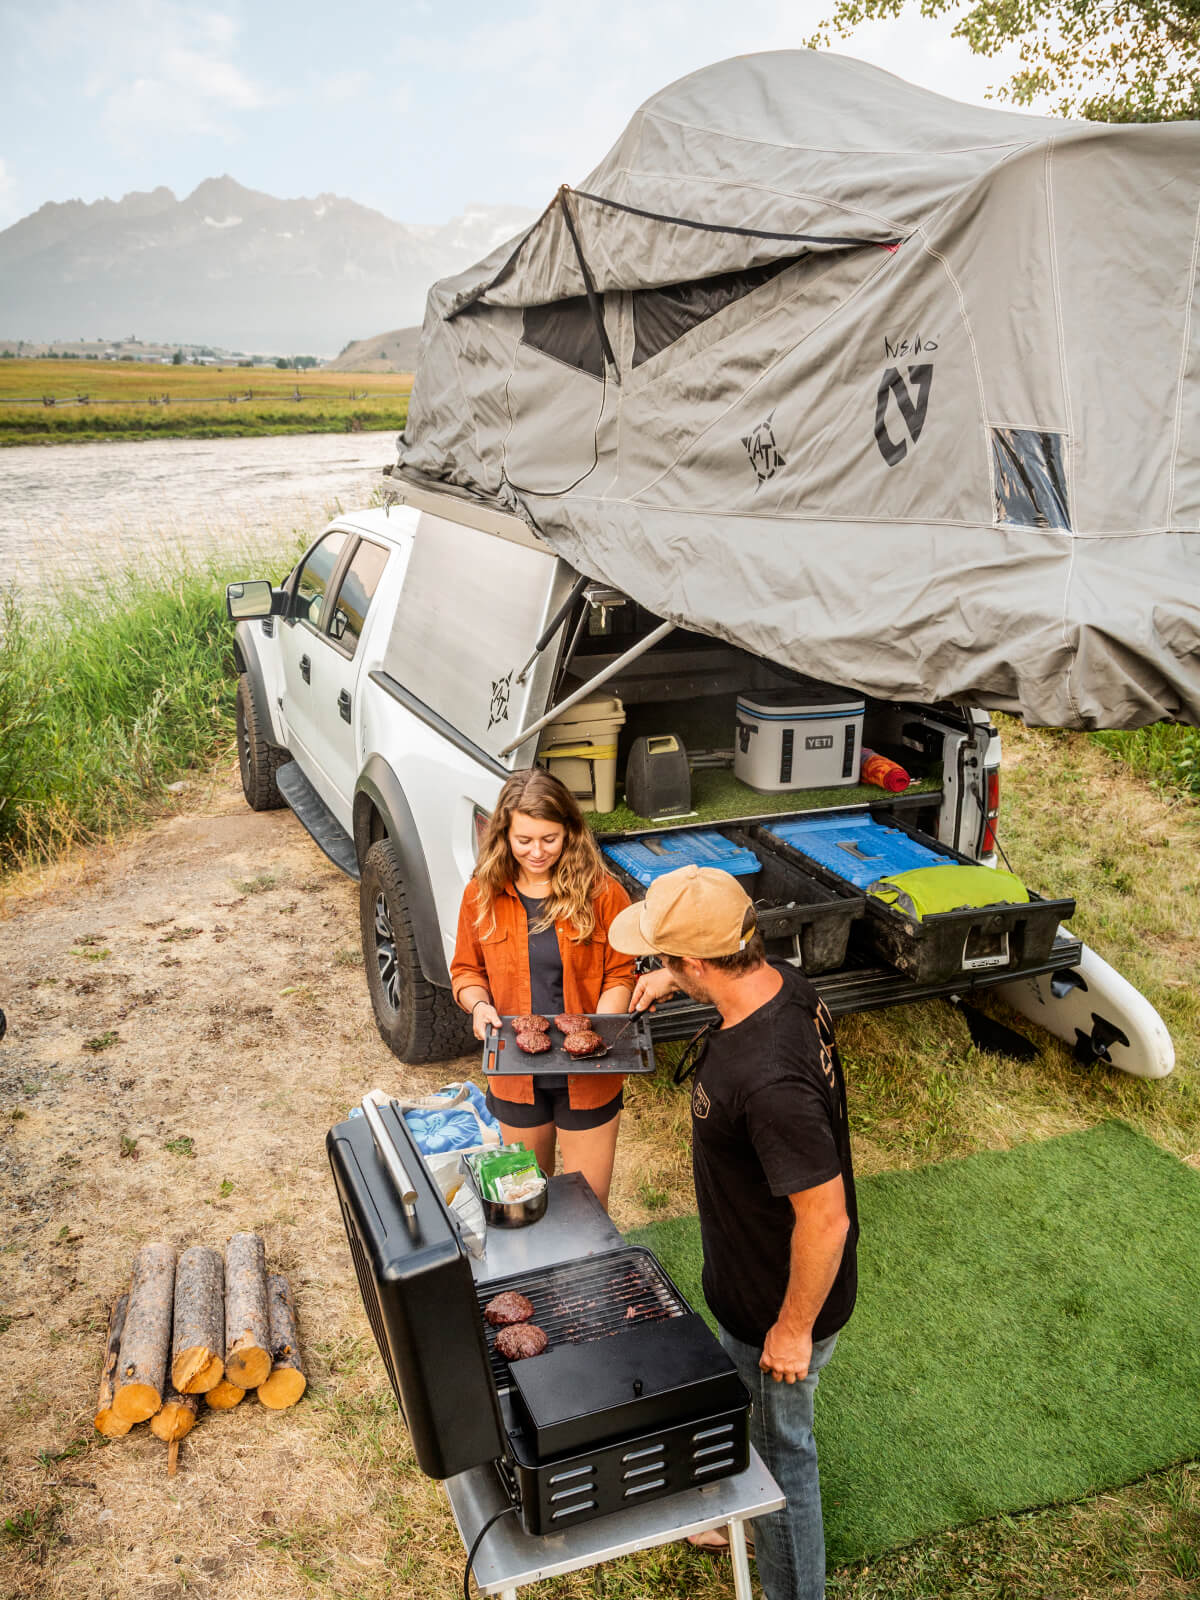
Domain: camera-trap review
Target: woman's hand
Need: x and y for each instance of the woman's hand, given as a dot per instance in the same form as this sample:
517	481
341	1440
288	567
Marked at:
483	1015
652	987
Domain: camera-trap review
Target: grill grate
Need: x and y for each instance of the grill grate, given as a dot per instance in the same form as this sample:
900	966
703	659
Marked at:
588	1299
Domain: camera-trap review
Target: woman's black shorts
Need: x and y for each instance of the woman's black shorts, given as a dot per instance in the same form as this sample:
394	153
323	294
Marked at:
551	1103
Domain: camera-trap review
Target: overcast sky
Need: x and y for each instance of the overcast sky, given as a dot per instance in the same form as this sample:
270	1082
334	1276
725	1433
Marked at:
416	109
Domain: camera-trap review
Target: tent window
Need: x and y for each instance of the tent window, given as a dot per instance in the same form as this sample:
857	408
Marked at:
660	316
566	331
1030	478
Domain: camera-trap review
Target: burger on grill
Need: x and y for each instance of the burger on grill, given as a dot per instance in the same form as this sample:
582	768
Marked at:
507	1309
530	1024
583	1043
571	1022
520	1340
533	1042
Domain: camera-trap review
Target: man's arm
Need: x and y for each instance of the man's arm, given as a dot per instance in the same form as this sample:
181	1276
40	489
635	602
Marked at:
818	1240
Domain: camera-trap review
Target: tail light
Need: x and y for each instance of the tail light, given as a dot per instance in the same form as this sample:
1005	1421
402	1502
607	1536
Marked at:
992	814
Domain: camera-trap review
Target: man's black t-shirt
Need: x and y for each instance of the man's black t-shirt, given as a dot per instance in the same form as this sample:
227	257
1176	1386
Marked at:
769	1120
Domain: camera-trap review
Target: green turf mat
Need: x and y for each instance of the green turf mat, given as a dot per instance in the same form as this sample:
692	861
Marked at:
717	796
1027	1331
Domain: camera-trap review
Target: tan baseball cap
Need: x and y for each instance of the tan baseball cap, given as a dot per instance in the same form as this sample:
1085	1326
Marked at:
693	911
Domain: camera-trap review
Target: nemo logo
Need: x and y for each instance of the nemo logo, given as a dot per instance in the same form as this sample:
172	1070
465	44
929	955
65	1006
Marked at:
911	406
701	1104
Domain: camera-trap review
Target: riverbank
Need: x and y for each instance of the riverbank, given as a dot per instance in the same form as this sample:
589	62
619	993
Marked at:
75	402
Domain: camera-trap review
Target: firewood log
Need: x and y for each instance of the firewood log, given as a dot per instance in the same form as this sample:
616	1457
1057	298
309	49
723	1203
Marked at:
247	1325
177	1417
107	1420
198	1342
224	1395
146	1341
287	1381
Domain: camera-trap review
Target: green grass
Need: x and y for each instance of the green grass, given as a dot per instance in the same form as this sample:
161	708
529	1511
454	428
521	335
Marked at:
124	400
108	694
1024	1336
1165	754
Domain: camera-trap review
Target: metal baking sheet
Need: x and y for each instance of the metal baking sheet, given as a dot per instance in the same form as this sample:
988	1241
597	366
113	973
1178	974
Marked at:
634	1051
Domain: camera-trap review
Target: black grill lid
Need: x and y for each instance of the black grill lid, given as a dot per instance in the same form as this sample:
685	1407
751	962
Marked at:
648	1376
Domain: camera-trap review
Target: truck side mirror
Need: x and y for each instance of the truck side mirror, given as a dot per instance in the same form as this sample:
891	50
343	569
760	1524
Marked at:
253	598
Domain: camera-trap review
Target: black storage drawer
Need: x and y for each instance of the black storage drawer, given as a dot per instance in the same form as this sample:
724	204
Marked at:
798	914
999	938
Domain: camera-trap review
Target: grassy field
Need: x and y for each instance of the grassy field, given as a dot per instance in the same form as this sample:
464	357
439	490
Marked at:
93	727
125	400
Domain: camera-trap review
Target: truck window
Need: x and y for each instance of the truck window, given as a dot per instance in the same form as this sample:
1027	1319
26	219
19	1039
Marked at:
358	587
315	575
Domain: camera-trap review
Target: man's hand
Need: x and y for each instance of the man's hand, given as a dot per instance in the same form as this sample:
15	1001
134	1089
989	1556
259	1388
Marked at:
652	987
786	1355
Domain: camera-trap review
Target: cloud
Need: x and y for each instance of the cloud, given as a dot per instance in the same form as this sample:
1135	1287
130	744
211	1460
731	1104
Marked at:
147	64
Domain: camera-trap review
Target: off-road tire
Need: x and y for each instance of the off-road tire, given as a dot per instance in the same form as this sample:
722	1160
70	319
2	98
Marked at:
417	1020
258	759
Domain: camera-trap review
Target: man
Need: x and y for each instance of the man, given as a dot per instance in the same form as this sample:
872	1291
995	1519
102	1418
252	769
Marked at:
774	1183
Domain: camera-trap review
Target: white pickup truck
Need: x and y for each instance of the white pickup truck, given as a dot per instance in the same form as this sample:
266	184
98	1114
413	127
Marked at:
415	656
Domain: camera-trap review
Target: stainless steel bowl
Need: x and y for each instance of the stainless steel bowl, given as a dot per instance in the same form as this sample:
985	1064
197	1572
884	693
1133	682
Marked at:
511	1213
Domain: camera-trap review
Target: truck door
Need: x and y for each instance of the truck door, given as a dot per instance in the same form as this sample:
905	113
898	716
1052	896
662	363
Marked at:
335	703
298	643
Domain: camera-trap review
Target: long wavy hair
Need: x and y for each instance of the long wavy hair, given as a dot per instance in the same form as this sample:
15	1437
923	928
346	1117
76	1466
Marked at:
578	872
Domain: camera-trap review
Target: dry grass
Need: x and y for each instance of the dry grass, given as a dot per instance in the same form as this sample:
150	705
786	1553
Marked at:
252	1036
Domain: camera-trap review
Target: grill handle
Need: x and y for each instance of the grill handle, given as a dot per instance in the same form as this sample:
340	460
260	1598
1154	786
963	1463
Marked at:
388	1154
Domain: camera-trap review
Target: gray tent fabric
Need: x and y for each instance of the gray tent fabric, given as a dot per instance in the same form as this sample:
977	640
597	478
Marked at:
900	393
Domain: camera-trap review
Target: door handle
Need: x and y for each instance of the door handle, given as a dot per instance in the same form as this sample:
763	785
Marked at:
306	669
344	705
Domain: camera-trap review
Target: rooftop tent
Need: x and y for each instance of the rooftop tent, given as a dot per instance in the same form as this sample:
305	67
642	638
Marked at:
901	393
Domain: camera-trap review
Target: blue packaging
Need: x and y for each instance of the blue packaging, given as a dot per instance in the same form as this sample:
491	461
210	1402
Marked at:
856	848
654	855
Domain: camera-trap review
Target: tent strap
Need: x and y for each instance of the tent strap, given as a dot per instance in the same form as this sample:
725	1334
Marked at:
593	299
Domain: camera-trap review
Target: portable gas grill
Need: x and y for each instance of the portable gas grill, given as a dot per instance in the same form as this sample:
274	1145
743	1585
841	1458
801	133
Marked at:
632	1399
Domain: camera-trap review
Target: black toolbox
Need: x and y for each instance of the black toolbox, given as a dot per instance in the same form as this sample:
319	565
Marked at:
798	914
938	947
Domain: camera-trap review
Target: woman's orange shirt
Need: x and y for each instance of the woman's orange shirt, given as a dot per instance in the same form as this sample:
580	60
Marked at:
498	959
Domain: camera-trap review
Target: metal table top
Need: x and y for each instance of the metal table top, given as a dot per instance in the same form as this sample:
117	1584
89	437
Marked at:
576	1225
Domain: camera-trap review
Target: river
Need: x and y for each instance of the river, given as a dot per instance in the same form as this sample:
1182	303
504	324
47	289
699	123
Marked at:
64	508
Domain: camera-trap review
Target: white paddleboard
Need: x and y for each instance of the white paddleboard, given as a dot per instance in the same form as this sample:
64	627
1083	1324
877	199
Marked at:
1094	1000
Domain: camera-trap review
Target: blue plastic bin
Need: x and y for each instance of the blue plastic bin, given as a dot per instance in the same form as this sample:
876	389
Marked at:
656	854
856	848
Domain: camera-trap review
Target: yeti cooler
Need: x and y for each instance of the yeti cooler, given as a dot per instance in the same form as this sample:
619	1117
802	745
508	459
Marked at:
808	736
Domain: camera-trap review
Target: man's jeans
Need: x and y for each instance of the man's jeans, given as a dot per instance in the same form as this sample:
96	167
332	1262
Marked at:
789	1545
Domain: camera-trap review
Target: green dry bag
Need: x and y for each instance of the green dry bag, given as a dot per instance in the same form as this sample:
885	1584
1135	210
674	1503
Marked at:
926	891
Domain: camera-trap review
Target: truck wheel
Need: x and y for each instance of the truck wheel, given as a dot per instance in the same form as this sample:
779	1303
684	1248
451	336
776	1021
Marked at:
417	1020
258	759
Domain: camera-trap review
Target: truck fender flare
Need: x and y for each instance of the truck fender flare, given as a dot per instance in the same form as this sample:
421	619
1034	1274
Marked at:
379	788
245	654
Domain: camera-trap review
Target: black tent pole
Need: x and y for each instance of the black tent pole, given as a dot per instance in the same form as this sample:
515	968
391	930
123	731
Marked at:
594	301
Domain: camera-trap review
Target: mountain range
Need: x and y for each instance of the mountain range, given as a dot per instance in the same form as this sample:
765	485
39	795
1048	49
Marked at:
233	267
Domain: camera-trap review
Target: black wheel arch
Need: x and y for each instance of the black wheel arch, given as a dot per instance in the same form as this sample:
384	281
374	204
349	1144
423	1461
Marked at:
245	655
381	809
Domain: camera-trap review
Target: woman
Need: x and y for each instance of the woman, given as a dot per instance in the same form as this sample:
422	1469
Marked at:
532	936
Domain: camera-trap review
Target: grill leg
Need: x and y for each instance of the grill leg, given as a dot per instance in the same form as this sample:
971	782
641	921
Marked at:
737	1551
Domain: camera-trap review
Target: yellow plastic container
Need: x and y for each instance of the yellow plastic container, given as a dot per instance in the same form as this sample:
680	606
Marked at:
580	748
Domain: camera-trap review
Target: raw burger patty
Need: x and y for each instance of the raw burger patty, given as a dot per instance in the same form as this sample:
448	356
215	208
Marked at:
583	1043
521	1340
570	1022
508	1308
532	1024
533	1043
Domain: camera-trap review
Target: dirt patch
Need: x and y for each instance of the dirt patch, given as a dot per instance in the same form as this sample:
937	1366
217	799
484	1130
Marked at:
187	1016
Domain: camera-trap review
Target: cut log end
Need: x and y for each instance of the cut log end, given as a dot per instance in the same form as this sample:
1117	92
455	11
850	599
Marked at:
248	1366
111	1425
177	1417
134	1402
224	1395
197	1370
283	1388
